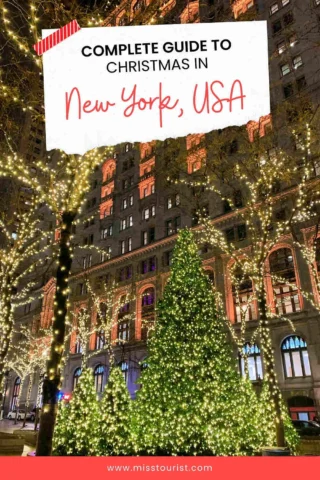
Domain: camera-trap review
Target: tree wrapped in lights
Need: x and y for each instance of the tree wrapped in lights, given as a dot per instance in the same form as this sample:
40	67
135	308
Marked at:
22	235
77	431
115	421
61	181
28	355
192	399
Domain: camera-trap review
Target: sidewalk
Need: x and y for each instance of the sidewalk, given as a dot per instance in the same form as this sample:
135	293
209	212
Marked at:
9	427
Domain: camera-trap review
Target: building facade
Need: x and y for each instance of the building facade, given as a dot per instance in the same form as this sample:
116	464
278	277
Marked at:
134	210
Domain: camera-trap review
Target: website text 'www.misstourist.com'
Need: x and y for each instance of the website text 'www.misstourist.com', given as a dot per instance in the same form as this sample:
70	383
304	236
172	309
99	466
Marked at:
159	468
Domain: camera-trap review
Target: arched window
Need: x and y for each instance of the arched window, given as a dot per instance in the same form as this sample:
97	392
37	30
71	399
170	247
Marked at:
98	378
147	311
295	357
15	393
76	377
253	355
124	321
242	292
125	370
286	294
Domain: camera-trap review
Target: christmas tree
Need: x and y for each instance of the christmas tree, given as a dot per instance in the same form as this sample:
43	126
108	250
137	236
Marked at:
62	430
193	401
115	438
77	431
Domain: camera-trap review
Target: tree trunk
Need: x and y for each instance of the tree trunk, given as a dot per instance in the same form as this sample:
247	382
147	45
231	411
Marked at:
51	381
28	400
270	374
7	319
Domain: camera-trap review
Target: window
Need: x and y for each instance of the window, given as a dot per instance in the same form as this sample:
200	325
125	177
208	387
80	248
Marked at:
169	203
242	291
172	226
153	189
288	90
167	259
297	62
127	147
123	321
237	233
282	269
123	247
77	346
130	220
125	370
251	355
15	394
148	236
87	262
281	47
129	244
106	232
130	200
125	273
100	340
124	204
288	19
98	378
301	83
274	8
295	357
76	377
27	308
317	2
293	40
146	214
148	265
147	311
285	2
276	27
285	69
138	6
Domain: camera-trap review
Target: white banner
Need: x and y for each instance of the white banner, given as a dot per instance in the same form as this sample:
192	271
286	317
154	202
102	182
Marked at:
108	85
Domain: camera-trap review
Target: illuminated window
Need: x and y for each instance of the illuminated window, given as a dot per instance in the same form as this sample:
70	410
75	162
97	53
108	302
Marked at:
125	370
100	340
76	377
295	357
274	8
285	69
251	354
297	62
98	378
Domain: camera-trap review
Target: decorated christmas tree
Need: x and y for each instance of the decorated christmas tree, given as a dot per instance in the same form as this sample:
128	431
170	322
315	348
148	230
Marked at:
193	401
115	437
62	430
77	430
